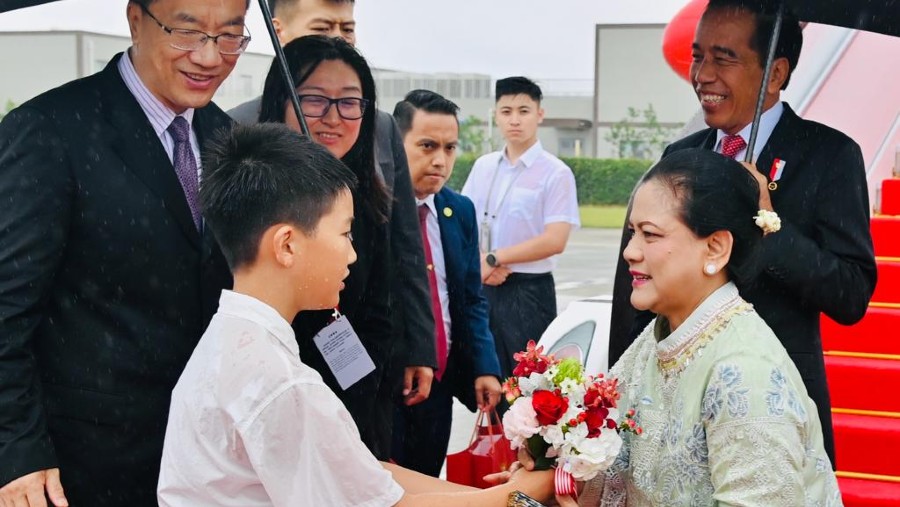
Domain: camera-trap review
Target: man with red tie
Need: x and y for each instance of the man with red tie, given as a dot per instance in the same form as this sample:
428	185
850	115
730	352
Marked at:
467	362
822	259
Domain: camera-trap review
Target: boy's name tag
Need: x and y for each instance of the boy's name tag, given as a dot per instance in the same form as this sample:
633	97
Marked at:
346	357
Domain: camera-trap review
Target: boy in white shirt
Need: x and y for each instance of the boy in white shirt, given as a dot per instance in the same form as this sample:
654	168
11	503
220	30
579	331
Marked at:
249	423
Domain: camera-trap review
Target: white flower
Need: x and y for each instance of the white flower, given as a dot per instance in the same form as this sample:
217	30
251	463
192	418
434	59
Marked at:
592	455
534	382
520	422
768	221
553	435
573	389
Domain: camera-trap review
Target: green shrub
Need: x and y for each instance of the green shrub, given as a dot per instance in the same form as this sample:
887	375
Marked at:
599	180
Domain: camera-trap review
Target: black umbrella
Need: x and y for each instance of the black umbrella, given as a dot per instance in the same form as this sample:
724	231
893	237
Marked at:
881	16
10	5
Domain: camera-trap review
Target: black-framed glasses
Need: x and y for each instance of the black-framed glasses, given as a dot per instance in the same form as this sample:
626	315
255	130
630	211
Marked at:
193	40
317	106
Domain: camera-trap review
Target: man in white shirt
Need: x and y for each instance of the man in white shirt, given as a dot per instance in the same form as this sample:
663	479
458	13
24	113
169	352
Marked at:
526	206
250	424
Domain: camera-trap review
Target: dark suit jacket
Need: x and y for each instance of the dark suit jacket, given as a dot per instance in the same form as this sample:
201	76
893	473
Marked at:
472	352
821	261
105	288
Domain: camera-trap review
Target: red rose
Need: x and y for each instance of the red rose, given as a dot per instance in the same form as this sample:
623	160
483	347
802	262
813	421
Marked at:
549	406
595	419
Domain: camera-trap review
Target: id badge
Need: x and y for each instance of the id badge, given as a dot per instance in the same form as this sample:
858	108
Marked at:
343	352
484	236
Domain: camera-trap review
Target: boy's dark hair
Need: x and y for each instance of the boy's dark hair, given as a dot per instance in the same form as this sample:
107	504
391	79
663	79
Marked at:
274	5
304	55
425	100
257	176
517	85
790	38
715	193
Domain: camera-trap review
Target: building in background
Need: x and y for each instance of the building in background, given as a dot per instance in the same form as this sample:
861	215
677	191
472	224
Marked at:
630	72
566	130
49	59
67	55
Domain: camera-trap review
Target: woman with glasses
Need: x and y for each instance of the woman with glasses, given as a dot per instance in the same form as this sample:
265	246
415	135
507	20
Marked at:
337	98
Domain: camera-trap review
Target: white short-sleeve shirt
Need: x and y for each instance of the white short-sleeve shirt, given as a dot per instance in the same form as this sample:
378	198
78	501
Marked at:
251	425
518	200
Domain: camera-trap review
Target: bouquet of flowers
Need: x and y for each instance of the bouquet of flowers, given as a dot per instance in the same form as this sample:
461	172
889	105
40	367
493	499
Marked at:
564	418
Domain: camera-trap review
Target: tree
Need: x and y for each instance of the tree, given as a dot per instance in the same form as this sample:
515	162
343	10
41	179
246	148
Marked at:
472	138
10	105
640	135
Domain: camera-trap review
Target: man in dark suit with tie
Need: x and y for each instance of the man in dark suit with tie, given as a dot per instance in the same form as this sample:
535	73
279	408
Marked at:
108	274
467	362
822	259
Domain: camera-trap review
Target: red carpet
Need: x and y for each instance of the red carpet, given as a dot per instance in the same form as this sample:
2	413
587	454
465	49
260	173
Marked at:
877	333
859	383
863	366
869	493
886	235
867	444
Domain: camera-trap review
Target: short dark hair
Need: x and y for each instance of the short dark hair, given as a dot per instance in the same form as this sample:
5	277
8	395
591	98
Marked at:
146	3
790	38
425	100
517	85
257	176
275	5
304	55
715	193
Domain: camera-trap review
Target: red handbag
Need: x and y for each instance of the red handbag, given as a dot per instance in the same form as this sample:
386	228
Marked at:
489	452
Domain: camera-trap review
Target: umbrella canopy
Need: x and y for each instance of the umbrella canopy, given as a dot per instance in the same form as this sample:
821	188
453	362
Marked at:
881	16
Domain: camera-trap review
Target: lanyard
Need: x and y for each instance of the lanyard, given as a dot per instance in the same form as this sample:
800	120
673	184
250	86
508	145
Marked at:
487	204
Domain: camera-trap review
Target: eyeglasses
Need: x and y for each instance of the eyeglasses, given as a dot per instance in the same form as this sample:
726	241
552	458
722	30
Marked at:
193	40
317	106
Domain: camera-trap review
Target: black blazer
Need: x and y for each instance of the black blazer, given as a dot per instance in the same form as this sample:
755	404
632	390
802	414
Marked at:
105	288
821	261
411	312
472	352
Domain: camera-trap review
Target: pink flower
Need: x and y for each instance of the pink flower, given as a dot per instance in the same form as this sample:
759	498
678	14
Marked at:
520	422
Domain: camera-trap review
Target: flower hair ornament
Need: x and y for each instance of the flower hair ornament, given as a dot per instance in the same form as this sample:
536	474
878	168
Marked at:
768	221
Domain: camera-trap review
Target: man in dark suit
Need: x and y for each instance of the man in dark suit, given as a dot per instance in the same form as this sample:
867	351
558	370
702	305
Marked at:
414	353
468	368
108	275
822	259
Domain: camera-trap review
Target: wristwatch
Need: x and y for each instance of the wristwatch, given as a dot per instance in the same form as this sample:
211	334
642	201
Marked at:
491	259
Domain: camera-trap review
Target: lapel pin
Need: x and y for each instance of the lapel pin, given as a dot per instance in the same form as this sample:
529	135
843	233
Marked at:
775	173
448	212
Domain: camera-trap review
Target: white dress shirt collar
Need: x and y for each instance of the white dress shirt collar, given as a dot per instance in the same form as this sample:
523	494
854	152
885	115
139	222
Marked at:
159	115
427	201
249	308
528	158
767	123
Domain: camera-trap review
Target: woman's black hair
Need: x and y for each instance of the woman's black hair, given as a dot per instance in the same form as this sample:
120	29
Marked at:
715	193
303	56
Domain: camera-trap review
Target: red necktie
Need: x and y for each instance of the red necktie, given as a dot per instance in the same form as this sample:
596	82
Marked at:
731	145
440	335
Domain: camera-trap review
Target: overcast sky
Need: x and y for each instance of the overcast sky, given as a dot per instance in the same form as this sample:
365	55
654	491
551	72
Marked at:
549	39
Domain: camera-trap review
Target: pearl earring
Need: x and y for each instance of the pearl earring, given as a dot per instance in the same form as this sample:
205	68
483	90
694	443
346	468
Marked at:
710	269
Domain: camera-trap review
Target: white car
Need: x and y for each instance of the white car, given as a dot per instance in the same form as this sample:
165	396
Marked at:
582	332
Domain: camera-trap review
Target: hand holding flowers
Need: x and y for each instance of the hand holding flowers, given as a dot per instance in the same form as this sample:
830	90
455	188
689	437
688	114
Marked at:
564	418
